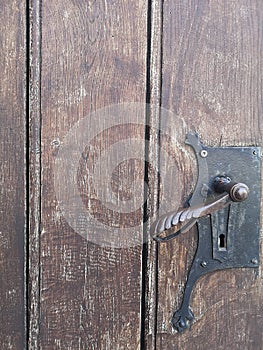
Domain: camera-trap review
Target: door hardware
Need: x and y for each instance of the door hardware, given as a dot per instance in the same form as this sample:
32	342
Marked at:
225	205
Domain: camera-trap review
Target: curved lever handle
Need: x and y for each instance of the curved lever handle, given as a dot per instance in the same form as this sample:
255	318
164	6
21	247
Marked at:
222	241
236	192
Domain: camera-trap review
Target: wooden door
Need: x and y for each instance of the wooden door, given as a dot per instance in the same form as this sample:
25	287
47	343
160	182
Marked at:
69	68
13	181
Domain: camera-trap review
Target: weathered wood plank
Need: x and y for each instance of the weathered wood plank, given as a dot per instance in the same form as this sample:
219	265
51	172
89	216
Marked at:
154	97
212	80
34	169
12	181
93	55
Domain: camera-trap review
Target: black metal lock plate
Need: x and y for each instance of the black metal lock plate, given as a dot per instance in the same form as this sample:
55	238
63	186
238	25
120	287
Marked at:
229	237
234	229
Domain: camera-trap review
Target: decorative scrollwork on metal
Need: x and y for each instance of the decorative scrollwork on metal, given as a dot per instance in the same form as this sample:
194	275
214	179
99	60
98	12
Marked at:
224	211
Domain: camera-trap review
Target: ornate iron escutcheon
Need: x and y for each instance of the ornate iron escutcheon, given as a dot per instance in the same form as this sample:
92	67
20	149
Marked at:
225	205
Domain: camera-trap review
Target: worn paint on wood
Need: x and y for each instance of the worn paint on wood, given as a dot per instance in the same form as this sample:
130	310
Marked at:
12	180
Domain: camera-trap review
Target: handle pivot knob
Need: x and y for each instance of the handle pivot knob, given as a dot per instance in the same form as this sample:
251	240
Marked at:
237	191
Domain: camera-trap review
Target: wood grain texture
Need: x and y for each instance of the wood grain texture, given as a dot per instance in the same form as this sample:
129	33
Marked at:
12	180
212	80
93	55
34	170
205	66
154	95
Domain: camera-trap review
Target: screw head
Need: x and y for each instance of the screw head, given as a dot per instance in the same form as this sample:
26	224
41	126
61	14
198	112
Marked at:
182	324
203	153
254	261
203	264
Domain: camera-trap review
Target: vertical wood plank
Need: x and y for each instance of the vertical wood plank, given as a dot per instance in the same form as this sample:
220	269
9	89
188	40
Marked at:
93	55
34	169
12	180
154	100
212	80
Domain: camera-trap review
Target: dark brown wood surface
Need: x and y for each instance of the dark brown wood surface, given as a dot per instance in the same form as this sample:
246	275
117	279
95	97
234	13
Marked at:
212	80
93	54
199	59
12	163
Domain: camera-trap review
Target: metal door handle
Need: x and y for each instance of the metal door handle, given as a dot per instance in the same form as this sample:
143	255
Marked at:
237	192
224	211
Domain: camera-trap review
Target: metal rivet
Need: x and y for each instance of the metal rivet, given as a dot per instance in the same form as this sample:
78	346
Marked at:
254	261
203	264
203	153
255	152
182	324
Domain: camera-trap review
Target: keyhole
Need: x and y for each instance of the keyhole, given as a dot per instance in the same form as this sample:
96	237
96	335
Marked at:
222	241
